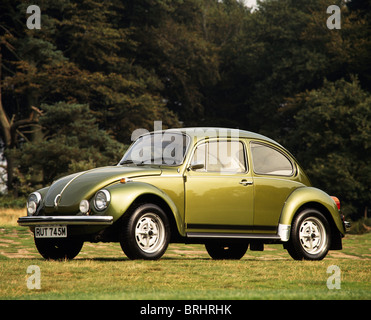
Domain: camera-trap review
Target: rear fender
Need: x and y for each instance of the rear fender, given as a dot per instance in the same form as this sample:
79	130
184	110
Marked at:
305	197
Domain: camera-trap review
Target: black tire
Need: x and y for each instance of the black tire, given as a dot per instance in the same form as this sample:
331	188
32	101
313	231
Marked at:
58	249
219	251
145	233
310	237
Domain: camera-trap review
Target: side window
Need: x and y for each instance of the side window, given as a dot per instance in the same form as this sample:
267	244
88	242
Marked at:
221	156
267	160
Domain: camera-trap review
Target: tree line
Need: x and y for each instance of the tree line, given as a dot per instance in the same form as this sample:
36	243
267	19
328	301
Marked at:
73	91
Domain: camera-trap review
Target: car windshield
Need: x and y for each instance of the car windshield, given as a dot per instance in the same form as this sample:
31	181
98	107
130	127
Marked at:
160	148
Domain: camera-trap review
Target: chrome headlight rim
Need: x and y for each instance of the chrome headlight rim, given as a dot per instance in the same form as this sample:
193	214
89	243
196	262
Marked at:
102	200
33	203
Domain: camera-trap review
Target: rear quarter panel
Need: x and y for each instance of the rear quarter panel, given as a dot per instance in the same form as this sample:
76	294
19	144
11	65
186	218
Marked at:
269	198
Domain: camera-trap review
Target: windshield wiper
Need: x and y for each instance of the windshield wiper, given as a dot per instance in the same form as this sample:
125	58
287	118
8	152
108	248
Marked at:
126	162
137	163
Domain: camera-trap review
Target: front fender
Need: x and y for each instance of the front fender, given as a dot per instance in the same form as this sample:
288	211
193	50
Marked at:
123	195
308	195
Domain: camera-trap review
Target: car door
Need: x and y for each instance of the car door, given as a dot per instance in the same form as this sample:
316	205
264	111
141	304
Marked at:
218	188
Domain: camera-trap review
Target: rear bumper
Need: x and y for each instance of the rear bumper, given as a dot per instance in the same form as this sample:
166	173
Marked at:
65	220
347	226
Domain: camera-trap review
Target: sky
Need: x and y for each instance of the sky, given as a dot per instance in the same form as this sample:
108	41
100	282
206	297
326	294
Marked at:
250	3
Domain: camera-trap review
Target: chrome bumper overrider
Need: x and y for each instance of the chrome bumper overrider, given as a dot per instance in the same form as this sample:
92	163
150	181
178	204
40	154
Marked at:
65	220
284	231
347	226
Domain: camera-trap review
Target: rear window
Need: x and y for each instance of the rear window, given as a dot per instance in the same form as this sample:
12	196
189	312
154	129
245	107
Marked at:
270	161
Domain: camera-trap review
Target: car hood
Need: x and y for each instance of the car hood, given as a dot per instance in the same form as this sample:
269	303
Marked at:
83	185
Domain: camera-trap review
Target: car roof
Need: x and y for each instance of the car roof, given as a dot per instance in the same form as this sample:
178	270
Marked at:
200	133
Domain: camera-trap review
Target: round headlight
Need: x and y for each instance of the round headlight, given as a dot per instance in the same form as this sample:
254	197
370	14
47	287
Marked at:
33	203
31	208
84	206
101	200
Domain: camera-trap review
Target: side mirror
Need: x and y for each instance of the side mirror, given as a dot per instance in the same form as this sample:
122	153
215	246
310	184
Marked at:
195	166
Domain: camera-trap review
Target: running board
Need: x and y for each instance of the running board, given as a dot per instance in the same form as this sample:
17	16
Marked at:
209	235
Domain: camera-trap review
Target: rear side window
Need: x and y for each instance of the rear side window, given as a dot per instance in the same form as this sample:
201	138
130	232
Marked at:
268	160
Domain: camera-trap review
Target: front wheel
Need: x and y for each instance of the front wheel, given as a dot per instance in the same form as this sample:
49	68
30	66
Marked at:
310	237
145	233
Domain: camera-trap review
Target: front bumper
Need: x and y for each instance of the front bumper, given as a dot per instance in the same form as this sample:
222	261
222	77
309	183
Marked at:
65	220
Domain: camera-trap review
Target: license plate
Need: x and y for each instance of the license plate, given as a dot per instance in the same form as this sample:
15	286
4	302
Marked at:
51	232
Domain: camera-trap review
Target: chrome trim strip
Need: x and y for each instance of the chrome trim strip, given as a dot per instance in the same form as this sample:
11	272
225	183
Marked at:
69	182
57	199
65	220
233	235
248	228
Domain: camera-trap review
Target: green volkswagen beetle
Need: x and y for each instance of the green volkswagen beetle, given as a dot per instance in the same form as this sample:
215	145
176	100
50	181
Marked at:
227	189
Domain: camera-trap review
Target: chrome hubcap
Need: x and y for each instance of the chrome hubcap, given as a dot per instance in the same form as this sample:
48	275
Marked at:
312	235
150	233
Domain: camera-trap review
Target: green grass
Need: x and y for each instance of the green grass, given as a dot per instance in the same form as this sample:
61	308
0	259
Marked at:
102	271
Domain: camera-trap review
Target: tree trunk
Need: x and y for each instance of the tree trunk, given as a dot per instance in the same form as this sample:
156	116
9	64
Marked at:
9	129
7	135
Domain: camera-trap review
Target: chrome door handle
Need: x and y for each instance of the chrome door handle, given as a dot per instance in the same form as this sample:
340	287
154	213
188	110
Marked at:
246	183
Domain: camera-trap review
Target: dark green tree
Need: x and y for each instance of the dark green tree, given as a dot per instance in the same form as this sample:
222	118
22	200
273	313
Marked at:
175	43
72	142
80	56
332	140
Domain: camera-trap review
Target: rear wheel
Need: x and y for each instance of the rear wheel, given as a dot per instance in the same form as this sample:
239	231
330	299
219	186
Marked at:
145	233
226	251
58	249
310	237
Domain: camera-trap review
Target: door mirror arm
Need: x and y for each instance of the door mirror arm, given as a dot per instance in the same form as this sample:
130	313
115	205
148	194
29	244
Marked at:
195	166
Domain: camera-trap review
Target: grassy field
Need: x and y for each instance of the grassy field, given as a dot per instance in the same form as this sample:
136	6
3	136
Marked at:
102	271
